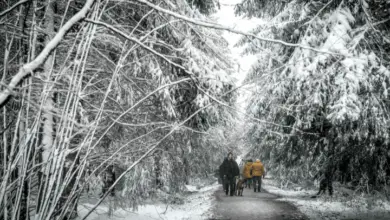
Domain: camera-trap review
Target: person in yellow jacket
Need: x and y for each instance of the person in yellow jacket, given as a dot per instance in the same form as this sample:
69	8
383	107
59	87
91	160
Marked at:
246	173
257	173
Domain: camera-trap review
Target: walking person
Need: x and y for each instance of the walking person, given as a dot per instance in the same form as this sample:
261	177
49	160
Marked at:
257	174
221	173
325	176
230	172
247	173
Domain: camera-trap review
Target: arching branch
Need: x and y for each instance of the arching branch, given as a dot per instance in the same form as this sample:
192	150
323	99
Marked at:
12	7
220	27
40	59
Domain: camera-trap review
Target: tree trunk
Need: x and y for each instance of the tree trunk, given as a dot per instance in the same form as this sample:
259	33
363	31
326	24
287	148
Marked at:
186	171
47	115
25	164
69	198
157	170
48	120
109	179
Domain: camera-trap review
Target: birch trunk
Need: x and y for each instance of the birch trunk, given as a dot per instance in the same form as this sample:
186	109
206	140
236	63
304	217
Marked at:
3	200
48	120
47	115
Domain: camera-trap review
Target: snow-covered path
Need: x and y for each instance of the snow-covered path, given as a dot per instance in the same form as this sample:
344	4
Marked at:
253	205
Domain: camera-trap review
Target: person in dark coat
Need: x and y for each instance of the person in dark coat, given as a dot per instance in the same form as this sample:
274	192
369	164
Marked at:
325	175
221	173
229	171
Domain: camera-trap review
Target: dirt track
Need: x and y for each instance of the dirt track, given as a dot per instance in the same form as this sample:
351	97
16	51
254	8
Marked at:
253	206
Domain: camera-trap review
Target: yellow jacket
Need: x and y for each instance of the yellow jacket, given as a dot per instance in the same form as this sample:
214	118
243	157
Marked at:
247	170
257	168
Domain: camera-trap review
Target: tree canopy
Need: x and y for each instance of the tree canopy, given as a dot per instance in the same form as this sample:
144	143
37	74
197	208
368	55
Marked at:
323	111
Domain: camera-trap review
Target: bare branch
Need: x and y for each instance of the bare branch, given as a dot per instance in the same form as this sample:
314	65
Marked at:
141	158
30	67
112	28
12	7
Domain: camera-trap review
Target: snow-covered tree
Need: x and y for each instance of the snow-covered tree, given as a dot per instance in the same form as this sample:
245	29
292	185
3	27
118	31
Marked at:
322	96
111	97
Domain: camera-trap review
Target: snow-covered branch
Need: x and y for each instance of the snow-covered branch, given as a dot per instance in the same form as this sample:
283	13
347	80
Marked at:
143	157
12	7
112	28
39	60
220	27
249	116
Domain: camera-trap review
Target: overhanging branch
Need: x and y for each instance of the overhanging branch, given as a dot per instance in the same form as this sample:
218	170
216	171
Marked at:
220	27
33	65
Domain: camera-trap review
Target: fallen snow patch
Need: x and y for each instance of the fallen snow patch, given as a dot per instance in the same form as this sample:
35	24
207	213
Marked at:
356	207
197	205
190	188
287	193
332	208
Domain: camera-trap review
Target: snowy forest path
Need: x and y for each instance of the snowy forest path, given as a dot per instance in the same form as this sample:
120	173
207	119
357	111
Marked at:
253	206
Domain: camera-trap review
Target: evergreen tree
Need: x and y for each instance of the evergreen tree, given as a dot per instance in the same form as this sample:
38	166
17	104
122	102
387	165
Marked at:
323	111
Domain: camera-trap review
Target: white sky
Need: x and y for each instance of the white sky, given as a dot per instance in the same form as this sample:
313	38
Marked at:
226	17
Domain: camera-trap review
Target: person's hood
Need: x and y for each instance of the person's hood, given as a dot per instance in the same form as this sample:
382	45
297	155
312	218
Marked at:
248	163
258	161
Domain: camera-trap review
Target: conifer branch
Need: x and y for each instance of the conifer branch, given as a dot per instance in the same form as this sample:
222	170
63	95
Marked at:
220	27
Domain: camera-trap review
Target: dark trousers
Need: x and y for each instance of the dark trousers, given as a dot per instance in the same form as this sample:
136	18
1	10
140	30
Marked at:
326	183
256	180
248	182
229	183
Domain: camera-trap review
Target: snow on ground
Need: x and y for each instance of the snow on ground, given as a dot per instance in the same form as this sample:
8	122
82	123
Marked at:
287	193
340	206
197	205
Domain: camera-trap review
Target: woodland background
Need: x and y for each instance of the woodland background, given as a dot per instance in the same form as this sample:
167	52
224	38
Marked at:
137	98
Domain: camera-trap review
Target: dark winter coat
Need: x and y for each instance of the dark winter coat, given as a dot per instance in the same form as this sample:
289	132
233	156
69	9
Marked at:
221	168
230	169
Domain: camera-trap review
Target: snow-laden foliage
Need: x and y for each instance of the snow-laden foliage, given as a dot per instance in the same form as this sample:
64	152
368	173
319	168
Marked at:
125	80
322	110
205	6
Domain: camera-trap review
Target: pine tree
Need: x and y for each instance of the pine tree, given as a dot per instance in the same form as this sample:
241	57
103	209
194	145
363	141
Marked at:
323	112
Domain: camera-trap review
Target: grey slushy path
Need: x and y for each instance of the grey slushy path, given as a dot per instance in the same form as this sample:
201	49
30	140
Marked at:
253	206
